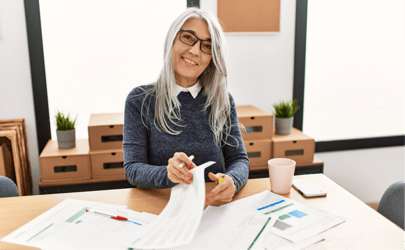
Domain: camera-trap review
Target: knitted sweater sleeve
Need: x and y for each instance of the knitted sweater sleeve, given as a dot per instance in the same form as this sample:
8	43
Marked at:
234	152
135	146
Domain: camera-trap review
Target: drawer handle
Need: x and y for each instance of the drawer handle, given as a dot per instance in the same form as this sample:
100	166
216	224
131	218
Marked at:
253	129
254	154
294	152
111	138
64	169
111	126
112	165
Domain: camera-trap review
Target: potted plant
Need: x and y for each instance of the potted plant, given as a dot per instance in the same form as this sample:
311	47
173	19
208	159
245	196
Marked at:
285	116
65	131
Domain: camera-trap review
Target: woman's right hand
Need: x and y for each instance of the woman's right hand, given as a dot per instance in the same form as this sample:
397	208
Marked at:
177	174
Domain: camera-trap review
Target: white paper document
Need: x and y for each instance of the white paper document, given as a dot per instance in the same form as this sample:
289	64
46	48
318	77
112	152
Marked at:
296	222
112	234
68	225
178	222
275	242
229	228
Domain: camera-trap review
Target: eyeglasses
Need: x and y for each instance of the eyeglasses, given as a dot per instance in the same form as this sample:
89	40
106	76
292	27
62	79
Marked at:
188	38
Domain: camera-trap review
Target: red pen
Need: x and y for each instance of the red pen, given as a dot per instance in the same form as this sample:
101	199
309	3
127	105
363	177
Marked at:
112	216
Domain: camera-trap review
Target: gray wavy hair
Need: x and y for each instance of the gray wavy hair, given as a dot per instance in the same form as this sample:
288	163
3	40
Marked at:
213	79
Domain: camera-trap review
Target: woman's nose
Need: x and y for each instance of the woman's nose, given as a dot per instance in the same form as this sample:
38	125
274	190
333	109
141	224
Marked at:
195	49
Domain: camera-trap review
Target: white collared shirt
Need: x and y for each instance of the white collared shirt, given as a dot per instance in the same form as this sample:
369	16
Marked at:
194	90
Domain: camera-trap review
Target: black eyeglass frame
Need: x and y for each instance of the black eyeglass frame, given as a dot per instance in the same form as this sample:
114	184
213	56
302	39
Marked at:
198	39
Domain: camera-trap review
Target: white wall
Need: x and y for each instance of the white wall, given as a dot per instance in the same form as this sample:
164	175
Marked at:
261	72
261	67
16	99
365	173
110	42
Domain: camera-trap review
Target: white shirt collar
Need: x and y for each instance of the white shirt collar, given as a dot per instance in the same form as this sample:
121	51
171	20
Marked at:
194	90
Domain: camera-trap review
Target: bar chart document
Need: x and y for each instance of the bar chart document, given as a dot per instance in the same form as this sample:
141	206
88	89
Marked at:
296	221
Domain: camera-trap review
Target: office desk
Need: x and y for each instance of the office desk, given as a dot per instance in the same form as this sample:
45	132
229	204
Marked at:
364	227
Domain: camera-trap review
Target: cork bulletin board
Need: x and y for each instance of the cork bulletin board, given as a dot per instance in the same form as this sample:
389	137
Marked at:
249	16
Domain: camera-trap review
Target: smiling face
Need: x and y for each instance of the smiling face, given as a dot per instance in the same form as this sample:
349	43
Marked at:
189	61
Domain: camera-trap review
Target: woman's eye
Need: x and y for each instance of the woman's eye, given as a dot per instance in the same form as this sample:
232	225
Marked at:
208	46
188	37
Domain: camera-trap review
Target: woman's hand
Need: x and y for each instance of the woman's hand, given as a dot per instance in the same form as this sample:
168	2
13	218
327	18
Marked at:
225	190
178	174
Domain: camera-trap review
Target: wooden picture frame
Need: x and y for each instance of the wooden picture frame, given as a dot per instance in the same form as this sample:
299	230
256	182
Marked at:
14	130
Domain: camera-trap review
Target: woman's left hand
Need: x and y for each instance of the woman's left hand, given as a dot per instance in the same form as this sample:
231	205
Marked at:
225	190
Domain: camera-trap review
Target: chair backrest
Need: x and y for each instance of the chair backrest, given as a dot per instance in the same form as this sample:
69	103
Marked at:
392	203
7	187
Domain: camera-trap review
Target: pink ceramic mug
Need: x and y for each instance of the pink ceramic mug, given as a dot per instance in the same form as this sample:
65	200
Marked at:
281	171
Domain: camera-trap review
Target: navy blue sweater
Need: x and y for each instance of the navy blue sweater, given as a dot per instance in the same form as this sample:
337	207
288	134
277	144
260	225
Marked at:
148	149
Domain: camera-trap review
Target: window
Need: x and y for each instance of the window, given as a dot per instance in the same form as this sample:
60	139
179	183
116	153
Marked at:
355	69
97	51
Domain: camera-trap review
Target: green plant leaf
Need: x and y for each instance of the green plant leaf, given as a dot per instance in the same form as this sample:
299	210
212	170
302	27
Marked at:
286	109
63	122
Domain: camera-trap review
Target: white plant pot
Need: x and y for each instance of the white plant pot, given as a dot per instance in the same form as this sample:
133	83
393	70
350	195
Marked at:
284	125
66	138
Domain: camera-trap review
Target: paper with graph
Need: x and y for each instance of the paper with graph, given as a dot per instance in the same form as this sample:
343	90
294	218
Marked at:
296	222
68	226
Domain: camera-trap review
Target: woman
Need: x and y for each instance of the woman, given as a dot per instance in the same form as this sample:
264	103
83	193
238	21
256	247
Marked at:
187	112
